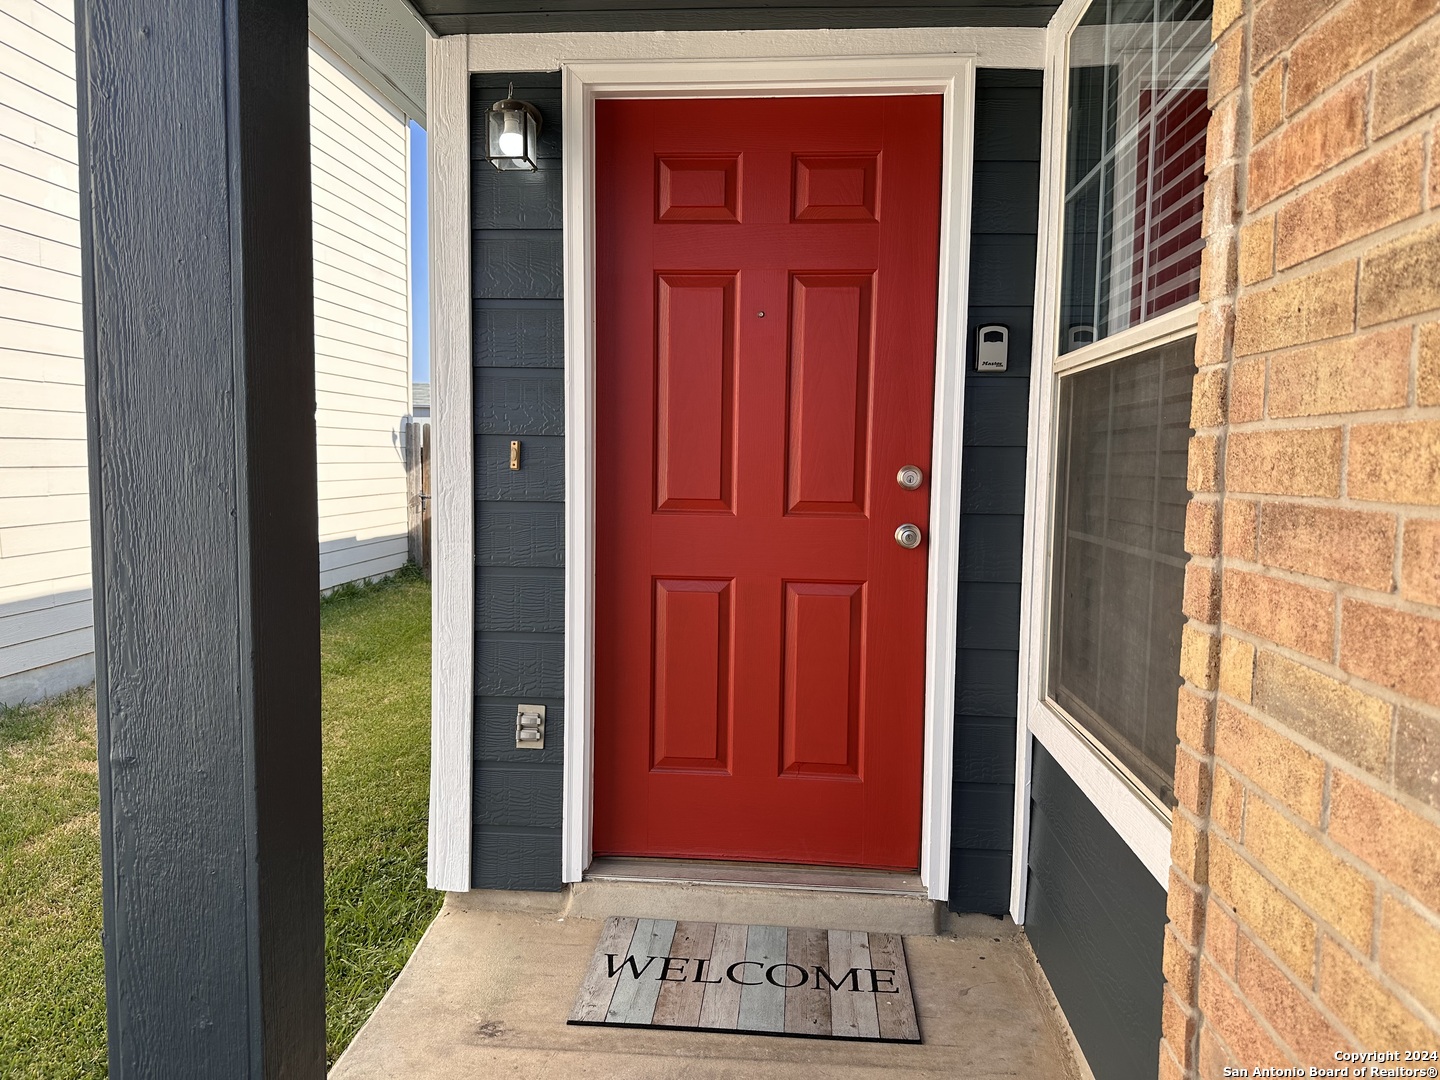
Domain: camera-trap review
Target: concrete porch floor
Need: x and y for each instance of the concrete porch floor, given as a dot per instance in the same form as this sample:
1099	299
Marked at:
488	990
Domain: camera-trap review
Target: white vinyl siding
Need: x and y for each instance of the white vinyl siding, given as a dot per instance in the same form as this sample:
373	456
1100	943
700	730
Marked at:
362	345
46	637
359	160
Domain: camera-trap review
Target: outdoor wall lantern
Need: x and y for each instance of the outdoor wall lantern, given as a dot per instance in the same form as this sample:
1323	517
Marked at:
513	132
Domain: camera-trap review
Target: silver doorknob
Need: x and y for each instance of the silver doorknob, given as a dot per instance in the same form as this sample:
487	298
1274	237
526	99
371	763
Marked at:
908	536
910	477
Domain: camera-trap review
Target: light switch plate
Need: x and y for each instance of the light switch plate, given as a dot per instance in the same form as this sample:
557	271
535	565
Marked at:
530	727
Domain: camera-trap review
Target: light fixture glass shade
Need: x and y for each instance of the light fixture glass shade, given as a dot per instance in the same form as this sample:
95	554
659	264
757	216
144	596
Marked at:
512	134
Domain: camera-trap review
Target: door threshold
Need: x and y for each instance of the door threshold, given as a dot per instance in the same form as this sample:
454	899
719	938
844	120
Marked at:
838	879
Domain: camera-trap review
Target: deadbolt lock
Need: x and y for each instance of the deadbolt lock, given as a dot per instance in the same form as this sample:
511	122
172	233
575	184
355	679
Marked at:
910	477
908	535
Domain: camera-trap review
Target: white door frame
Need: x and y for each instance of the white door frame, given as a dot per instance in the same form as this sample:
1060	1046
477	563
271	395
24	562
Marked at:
688	64
584	84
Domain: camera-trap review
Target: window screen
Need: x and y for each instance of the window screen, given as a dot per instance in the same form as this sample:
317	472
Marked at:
1135	164
1119	556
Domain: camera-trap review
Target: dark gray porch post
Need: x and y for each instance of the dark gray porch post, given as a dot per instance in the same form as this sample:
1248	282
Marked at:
201	379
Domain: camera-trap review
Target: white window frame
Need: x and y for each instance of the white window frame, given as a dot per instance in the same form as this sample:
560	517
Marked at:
1141	820
681	64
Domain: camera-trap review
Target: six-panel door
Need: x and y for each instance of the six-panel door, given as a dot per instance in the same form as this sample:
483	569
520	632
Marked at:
766	297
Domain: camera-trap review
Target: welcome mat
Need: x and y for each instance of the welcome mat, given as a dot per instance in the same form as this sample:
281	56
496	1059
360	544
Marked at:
755	980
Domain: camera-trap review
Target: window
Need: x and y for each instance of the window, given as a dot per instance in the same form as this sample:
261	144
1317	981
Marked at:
1134	164
1124	362
1119	556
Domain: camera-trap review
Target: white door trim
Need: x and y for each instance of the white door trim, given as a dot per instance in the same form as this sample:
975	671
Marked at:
685	64
583	85
452	601
1038	441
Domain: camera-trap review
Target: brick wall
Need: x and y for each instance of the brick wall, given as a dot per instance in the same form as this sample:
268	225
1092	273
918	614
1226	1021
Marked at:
1305	893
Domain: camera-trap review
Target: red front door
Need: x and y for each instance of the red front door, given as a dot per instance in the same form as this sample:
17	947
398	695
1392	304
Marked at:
766	291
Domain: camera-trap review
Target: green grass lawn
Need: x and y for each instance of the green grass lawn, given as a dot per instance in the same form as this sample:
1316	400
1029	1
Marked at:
375	668
52	973
375	664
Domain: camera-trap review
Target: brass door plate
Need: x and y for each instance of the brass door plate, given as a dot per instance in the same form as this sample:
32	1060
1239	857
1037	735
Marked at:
514	453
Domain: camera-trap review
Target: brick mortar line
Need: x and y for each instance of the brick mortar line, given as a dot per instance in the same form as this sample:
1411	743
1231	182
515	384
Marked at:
1389	982
1417	319
1263	1021
1361	417
1369	67
1419	910
1428	162
1215	563
1275	802
1324	928
1384	886
1324	667
1372	148
1287	124
1392	759
1357	250
1394	601
1205	823
1412	387
1165	1047
1397	572
1327	757
1406	511
1378	691
1360	247
1310	993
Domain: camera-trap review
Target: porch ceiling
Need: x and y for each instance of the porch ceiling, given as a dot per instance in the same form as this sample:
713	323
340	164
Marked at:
540	16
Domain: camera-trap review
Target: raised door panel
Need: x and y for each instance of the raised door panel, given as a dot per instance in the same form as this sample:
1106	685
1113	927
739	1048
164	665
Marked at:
695	399
830	360
693	187
823	631
836	187
691	702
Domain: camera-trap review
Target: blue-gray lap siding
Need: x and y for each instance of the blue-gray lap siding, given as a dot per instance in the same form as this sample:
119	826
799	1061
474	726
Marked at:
1096	919
519	515
519	394
992	501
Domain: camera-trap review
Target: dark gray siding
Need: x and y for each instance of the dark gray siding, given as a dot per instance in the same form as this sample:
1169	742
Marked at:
519	516
1002	290
520	532
1096	919
551	16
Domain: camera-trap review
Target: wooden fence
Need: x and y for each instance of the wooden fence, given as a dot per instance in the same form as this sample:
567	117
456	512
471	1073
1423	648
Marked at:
417	490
